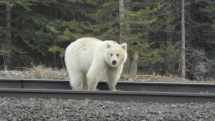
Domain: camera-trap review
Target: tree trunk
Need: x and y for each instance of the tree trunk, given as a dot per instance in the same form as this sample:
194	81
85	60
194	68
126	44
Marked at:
8	36
127	27
126	6
133	70
121	15
183	39
54	57
55	54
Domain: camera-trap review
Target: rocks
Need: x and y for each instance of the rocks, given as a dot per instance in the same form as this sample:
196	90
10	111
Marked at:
12	109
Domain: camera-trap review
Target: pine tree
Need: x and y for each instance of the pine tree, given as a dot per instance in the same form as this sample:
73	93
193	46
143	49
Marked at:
140	20
31	39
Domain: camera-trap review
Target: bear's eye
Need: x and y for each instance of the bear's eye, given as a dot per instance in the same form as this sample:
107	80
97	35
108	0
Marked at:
111	54
117	54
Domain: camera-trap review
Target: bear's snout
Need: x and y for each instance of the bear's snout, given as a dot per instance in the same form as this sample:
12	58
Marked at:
114	62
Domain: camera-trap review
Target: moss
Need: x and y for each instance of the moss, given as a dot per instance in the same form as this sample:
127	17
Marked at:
55	77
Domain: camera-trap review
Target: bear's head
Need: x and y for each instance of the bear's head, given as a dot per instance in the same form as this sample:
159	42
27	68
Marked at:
116	54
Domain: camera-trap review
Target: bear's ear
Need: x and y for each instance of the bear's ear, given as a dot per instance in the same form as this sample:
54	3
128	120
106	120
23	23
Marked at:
108	45
124	46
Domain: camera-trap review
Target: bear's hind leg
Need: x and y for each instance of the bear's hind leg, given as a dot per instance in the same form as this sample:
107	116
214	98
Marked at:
77	80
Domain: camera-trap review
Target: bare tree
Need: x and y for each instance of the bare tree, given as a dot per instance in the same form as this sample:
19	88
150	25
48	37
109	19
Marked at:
8	36
133	70
121	15
183	40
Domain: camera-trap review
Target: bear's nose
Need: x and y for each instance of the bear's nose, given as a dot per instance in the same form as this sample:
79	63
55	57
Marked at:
114	62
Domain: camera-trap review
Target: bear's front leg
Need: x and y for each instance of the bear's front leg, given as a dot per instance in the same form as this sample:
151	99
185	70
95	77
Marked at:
93	78
113	75
112	82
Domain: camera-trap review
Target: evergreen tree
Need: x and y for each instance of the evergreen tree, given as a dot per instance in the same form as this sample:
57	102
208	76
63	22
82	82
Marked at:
140	20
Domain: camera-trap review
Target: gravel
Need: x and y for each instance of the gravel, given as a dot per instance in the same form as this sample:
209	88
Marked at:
32	109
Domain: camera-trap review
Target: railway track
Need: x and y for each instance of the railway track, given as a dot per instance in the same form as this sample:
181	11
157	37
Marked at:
161	92
121	85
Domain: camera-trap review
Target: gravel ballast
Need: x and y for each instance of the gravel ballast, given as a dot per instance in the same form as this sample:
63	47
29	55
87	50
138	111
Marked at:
32	109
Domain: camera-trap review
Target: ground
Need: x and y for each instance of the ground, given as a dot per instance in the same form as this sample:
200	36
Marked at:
41	72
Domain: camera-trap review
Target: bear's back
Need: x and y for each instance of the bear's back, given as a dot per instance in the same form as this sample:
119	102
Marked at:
87	40
82	52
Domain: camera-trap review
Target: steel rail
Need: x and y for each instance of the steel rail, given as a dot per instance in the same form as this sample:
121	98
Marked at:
120	96
121	85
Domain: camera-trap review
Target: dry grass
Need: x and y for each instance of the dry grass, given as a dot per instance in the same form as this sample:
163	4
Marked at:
159	78
42	72
36	72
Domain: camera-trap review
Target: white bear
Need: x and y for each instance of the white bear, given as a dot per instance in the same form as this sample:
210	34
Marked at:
89	59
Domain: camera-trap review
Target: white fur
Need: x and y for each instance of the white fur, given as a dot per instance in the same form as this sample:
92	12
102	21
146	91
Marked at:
89	59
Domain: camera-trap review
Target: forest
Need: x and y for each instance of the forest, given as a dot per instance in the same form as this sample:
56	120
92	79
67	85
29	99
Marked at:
171	36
